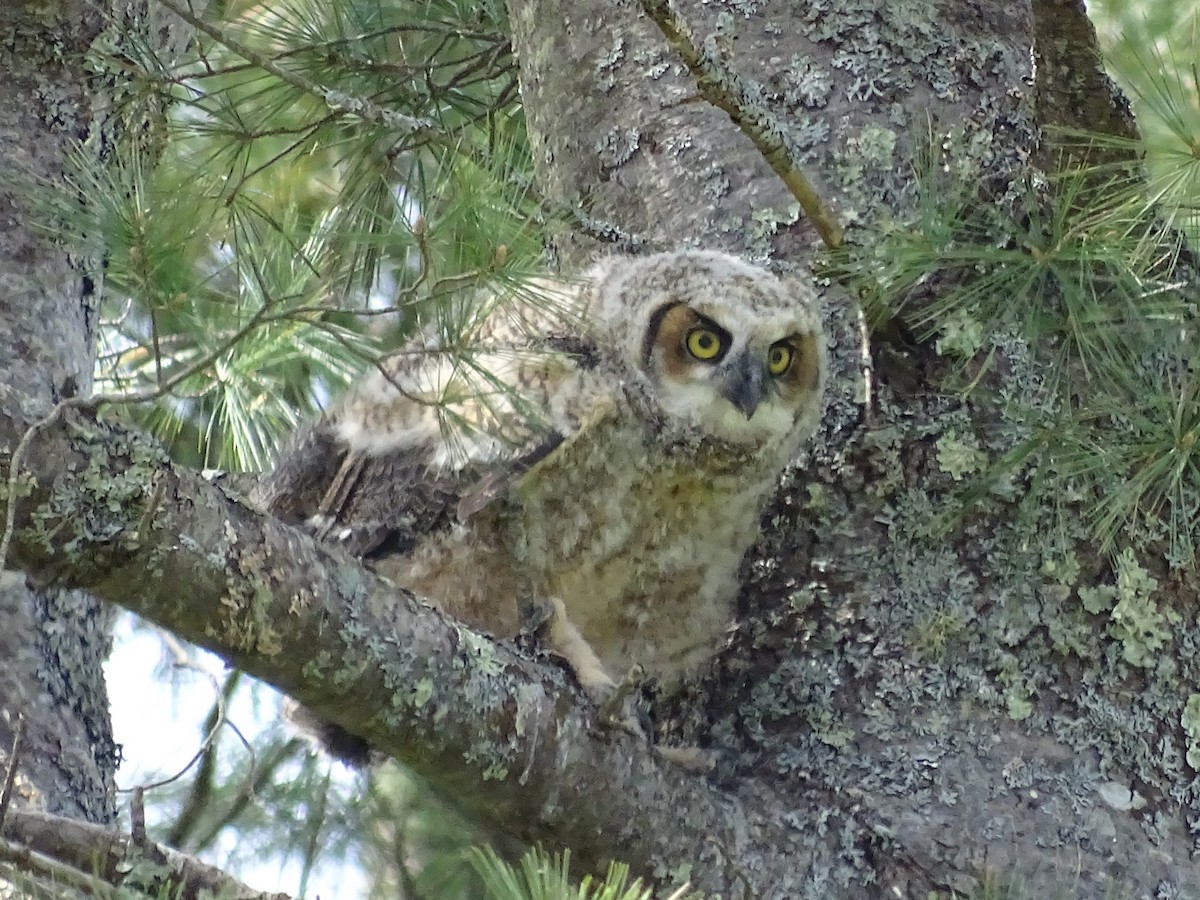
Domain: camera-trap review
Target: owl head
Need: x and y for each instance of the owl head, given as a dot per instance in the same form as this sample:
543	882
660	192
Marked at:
722	347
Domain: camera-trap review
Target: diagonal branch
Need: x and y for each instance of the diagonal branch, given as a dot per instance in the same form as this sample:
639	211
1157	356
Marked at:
107	512
89	855
723	89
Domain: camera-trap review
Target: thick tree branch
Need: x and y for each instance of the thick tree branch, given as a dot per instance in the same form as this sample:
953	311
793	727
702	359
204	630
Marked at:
103	509
84	852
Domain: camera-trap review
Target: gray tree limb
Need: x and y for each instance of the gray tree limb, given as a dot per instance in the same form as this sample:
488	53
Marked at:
102	509
82	853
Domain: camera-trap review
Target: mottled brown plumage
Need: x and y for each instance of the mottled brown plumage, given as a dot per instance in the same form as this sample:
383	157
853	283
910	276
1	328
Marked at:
605	446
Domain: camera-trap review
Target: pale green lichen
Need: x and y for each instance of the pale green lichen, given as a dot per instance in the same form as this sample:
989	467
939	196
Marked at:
1141	627
1190	720
768	221
807	83
960	456
421	693
617	147
318	667
607	65
1018	707
961	335
715	183
482	652
1097	599
497	771
932	635
829	730
1062	569
818	498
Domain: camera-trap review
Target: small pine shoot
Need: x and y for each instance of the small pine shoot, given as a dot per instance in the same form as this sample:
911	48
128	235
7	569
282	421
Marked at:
1153	58
540	876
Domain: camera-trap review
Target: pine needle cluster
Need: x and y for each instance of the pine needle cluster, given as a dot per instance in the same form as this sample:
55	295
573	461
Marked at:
327	176
1089	264
540	876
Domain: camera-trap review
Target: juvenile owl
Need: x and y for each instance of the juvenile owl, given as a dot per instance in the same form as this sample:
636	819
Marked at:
604	448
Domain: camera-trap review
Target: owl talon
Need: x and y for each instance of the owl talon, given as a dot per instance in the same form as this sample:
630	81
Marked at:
549	619
693	759
619	709
537	616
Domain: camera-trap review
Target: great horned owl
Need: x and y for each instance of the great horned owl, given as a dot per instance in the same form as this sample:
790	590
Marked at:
606	446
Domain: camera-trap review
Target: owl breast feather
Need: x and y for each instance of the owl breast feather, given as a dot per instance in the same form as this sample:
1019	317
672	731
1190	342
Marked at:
641	540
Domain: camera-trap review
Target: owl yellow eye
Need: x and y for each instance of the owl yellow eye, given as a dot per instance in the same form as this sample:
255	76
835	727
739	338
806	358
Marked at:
779	358
704	343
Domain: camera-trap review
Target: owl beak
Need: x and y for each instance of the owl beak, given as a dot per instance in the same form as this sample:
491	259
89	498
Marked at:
744	384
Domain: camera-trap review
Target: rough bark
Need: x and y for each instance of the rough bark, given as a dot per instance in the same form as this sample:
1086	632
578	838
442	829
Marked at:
1072	90
854	88
52	641
880	674
86	856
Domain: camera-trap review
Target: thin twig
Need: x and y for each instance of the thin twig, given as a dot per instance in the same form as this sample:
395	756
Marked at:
218	720
722	88
14	472
867	363
137	817
20	866
10	776
337	100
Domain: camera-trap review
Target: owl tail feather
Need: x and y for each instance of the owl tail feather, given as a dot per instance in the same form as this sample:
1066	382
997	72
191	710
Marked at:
328	737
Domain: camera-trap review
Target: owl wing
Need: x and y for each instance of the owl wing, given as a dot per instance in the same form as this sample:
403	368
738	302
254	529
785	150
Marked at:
442	429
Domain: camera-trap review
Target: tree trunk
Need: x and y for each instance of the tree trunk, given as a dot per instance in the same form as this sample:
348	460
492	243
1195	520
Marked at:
832	703
53	641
